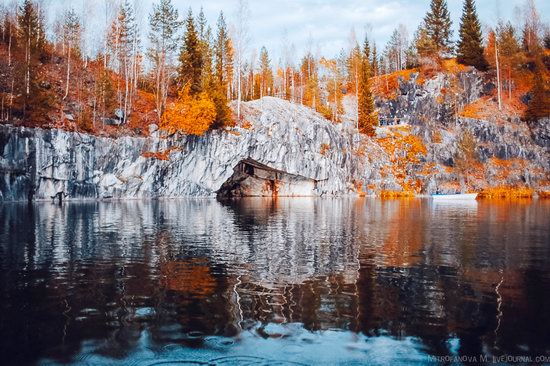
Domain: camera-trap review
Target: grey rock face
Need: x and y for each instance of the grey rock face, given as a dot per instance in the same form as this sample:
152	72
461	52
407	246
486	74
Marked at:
36	163
434	99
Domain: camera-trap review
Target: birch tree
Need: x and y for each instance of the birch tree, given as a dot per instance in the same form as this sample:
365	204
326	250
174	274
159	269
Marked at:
124	45
241	43
163	37
72	34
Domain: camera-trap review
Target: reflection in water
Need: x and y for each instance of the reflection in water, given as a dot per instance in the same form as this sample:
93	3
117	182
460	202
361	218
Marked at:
260	280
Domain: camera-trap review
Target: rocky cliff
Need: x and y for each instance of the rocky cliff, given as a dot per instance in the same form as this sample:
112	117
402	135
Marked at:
38	163
419	155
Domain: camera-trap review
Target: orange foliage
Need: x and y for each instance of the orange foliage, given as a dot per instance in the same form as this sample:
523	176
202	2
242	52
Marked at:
506	193
160	155
190	115
475	109
544	194
246	125
387	85
453	67
324	148
405	150
395	194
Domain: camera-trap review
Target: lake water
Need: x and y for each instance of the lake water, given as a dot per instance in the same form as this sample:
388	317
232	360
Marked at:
273	282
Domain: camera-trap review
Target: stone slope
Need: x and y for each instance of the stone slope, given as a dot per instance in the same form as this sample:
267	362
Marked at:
40	163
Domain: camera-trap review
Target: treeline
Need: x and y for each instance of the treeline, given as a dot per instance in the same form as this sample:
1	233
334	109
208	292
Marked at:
189	72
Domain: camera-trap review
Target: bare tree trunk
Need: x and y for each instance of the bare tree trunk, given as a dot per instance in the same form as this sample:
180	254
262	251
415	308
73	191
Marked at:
28	59
68	72
356	96
9	48
510	82
498	78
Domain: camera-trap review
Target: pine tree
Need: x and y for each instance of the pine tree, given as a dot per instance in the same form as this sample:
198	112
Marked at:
191	62
34	101
222	68
438	26
222	54
374	62
367	116
470	47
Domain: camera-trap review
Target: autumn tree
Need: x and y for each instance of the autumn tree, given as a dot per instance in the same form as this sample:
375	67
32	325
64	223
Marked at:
123	41
241	44
223	56
163	38
539	105
367	117
466	156
353	72
192	115
470	47
532	27
72	35
437	23
310	80
333	82
266	74
424	45
509	53
396	49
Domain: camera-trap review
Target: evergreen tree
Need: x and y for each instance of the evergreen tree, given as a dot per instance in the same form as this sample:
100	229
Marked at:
374	62
547	39
424	44
34	101
367	117
266	74
470	48
202	25
222	55
437	24
222	68
191	58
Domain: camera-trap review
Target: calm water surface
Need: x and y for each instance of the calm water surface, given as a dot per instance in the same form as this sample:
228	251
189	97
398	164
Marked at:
262	282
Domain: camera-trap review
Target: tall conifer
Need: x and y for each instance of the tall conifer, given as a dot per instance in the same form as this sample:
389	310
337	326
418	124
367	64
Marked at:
367	117
470	48
191	61
438	26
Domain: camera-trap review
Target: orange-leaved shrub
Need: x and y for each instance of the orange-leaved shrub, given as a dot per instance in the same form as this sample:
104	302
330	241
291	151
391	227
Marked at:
188	114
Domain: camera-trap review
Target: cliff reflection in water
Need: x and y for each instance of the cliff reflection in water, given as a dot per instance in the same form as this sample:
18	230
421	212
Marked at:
110	279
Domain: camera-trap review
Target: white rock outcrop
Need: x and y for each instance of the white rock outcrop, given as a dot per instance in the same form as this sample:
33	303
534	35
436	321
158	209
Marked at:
37	163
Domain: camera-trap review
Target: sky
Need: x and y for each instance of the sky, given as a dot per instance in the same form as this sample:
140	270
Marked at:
328	23
324	26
